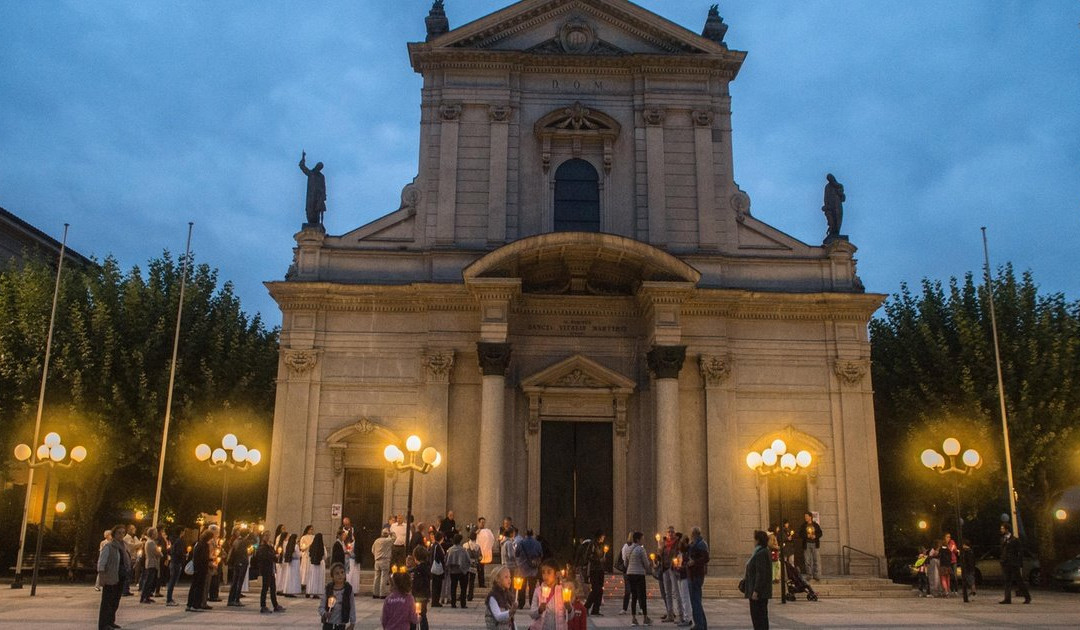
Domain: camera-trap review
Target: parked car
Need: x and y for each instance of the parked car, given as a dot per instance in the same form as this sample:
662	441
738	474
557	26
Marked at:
988	568
1067	574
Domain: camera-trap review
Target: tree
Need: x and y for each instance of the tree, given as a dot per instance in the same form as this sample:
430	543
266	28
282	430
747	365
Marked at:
109	375
933	370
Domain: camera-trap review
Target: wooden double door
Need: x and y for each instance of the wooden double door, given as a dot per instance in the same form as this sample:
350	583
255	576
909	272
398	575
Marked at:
363	504
576	493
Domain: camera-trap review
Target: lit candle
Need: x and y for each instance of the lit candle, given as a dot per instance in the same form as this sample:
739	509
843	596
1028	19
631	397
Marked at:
606	548
544	592
418	607
657	537
330	601
652	557
518	583
567	595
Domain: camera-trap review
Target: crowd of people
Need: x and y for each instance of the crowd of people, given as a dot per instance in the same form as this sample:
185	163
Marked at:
943	568
417	568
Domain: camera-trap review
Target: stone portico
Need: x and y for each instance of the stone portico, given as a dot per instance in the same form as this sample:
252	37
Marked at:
575	305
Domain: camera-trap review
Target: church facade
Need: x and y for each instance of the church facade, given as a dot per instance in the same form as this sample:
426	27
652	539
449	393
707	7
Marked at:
576	306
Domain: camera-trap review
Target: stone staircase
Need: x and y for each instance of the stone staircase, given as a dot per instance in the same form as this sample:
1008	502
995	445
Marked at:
837	587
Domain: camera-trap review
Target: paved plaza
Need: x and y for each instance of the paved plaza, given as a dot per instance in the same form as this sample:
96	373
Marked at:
74	607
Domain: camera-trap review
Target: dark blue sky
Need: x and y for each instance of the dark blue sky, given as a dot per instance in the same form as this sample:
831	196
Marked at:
128	119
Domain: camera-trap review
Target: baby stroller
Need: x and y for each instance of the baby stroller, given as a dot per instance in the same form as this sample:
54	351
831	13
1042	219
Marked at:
796	584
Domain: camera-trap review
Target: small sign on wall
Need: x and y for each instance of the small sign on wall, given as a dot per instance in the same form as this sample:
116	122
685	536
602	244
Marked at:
335	510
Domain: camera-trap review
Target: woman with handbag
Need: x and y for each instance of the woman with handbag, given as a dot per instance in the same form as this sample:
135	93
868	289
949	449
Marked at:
757	581
438	570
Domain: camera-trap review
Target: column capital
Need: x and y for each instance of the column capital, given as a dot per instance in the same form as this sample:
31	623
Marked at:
494	357
714	369
437	365
666	361
301	362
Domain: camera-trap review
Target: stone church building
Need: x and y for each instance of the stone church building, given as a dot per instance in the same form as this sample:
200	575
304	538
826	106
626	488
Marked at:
575	304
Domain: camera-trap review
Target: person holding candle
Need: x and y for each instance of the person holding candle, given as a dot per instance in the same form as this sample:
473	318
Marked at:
757	581
399	609
620	566
579	617
336	608
281	563
420	572
316	572
529	556
550	609
594	569
500	605
685	610
486	539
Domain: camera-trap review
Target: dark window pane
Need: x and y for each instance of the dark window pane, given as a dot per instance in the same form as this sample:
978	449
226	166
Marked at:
577	197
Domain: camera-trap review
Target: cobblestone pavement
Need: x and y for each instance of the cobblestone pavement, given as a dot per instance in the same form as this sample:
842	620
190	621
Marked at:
74	607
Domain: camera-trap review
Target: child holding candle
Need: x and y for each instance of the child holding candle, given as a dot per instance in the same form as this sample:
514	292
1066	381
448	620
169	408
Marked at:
501	603
399	610
549	610
578	618
336	609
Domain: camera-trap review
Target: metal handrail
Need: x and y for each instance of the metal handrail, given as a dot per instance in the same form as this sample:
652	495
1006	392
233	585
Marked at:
846	558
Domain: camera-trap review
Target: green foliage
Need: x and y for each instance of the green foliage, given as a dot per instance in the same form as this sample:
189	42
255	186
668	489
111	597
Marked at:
934	376
109	375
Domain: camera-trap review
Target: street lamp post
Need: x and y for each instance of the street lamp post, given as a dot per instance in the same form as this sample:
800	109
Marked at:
776	460
428	459
242	459
51	453
970	461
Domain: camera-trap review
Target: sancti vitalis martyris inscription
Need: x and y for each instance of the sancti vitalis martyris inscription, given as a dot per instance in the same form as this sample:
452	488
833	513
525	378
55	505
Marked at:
574	326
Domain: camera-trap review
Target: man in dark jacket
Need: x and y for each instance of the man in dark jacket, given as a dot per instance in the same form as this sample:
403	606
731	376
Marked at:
1012	560
594	568
265	560
696	569
811	542
177	559
238	567
113	567
757	582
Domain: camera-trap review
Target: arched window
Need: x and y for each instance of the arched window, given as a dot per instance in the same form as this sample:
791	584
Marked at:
577	197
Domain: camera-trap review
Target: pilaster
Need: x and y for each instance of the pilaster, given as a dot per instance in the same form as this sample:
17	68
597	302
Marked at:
708	225
437	365
654	163
450	117
499	115
721	437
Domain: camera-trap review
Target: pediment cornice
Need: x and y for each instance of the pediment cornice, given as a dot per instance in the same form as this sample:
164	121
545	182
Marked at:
578	372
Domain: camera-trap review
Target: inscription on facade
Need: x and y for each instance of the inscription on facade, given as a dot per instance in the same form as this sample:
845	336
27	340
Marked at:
591	86
575	326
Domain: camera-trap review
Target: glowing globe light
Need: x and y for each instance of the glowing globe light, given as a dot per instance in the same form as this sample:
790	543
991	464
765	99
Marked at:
58	453
412	444
61	507
202	452
78	454
753	460
779	446
219	455
438	460
1061	514
52	439
23	452
971	458
43	452
768	457
254	456
240	453
951	446
393	454
429	455
929	458
803	459
229	442
787	462
923	524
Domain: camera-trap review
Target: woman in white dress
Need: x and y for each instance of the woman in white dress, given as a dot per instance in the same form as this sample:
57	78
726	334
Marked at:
305	543
292	568
279	549
316	572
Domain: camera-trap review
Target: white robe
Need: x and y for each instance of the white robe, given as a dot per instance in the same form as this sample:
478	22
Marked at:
316	578
292	575
354	577
305	560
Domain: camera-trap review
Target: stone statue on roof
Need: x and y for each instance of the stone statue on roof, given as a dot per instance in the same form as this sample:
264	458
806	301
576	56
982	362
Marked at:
316	191
834	206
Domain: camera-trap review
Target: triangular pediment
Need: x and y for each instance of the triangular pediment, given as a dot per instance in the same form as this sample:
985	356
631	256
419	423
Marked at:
756	235
578	371
396	227
593	27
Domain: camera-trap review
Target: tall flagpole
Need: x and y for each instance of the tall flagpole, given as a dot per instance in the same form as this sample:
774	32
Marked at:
172	377
1001	391
40	407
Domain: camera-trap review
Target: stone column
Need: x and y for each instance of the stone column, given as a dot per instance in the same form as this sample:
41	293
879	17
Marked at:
665	362
450	117
291	461
491	456
721	436
437	365
500	127
654	163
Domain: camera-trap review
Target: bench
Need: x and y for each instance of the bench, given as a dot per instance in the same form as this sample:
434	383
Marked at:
56	561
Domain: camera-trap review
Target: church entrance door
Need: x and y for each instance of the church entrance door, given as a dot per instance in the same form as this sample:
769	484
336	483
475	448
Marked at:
363	504
575	483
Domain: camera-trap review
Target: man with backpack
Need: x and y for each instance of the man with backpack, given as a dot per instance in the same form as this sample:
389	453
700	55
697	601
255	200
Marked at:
529	555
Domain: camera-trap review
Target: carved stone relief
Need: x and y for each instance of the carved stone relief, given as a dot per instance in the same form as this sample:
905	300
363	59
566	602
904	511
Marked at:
714	370
301	361
851	371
